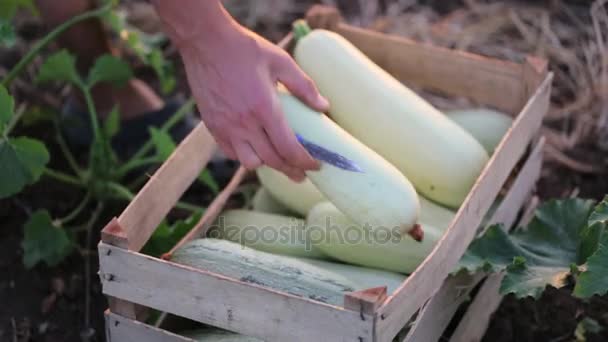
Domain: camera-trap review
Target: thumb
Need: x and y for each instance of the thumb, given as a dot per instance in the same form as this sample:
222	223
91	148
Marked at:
300	85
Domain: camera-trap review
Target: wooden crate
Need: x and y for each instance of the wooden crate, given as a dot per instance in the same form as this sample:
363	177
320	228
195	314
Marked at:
134	281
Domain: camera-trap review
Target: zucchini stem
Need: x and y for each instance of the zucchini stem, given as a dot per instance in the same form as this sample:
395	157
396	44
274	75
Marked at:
300	29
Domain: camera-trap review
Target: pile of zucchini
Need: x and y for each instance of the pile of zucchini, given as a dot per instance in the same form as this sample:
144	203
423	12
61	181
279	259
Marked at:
339	230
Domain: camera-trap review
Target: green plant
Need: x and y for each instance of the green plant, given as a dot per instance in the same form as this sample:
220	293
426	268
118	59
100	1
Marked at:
102	177
566	239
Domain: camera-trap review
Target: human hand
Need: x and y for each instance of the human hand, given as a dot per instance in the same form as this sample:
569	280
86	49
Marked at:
233	74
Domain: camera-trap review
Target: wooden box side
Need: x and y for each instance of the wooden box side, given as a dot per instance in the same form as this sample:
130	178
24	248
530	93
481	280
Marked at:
429	276
122	329
436	314
224	302
154	201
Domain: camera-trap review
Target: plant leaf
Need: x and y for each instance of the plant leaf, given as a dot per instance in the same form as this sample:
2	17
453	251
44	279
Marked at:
8	8
111	125
166	236
22	161
43	241
108	68
539	255
163	143
594	280
7	107
7	34
61	66
207	178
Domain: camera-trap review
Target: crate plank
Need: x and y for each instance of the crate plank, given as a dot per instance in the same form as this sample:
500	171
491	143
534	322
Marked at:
436	314
121	329
426	280
166	186
226	303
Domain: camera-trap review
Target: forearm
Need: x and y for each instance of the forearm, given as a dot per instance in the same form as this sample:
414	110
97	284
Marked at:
186	21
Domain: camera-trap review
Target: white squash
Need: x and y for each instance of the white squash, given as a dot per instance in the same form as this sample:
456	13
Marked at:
339	237
299	197
277	234
379	195
264	202
440	158
486	125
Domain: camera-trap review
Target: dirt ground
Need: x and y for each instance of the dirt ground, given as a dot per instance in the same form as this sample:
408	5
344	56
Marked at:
48	304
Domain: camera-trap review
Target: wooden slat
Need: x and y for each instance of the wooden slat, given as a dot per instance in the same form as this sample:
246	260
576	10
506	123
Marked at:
121	329
226	303
427	279
436	314
485	80
475	321
166	186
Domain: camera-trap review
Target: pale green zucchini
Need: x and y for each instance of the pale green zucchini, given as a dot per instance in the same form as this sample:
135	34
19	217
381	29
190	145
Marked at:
486	125
278	272
440	158
270	233
351	243
217	335
379	196
435	215
264	202
299	197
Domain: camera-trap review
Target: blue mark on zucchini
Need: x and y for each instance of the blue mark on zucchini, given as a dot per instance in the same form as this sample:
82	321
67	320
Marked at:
330	157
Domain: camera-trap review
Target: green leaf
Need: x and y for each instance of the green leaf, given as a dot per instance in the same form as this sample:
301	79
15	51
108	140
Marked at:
111	125
22	161
594	280
166	236
43	241
163	143
61	66
7	34
7	107
108	68
163	69
207	178
541	254
8	8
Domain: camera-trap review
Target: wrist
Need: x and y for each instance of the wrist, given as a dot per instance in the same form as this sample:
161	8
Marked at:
194	22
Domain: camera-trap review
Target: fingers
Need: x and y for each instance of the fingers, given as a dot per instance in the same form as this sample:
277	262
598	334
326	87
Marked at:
283	139
246	155
269	155
299	84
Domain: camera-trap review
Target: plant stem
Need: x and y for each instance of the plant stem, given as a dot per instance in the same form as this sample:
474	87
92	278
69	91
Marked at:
173	120
300	29
74	213
135	163
27	59
124	193
63	177
14	121
87	263
67	154
91	109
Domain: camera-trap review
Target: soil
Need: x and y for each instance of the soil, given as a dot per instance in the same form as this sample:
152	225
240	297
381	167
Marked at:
47	304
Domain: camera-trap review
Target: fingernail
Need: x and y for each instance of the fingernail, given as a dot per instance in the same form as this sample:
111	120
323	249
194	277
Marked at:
323	102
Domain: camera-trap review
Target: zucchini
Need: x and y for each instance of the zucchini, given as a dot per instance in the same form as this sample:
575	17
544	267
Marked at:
278	272
440	158
486	125
264	202
339	237
299	197
435	215
380	196
270	233
217	335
